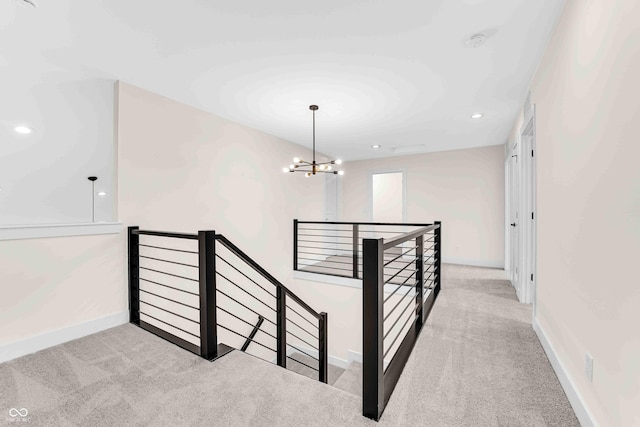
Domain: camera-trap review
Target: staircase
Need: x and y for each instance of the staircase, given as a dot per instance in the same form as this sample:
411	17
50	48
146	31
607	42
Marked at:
204	294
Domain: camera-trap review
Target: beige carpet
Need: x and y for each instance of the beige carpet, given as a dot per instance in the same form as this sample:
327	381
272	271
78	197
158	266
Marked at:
477	363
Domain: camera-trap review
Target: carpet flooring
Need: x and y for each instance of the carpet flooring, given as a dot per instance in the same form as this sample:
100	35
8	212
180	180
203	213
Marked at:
476	363
309	367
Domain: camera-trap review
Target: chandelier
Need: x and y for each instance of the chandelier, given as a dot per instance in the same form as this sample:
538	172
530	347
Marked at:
313	167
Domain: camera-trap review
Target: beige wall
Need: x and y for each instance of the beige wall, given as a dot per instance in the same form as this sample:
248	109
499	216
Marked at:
586	94
182	169
463	188
50	284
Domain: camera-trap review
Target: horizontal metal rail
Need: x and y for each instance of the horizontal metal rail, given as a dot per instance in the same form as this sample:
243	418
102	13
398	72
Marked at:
168	261
170	312
408	236
302	363
309	321
166	234
169	299
168	249
245	337
170	287
168	274
240	254
169	324
366	223
243	305
249	278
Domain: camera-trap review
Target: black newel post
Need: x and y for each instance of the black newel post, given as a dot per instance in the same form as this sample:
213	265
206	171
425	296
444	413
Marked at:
323	349
438	255
295	244
355	245
281	326
133	240
419	279
372	333
207	268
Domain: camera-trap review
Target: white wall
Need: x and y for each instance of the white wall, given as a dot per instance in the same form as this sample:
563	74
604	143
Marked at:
43	175
463	188
55	283
182	169
588	203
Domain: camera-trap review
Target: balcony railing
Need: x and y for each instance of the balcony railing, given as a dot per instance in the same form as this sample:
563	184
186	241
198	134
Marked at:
401	280
335	248
200	290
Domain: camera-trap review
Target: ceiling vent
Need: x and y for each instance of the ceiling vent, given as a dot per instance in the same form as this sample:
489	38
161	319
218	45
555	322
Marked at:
476	40
408	149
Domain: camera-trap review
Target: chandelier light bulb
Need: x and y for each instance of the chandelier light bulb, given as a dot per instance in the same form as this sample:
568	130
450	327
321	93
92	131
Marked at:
328	168
322	167
285	170
296	160
340	172
338	162
292	166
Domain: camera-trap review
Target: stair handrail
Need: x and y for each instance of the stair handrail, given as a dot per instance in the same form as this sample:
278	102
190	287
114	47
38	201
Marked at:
209	347
246	258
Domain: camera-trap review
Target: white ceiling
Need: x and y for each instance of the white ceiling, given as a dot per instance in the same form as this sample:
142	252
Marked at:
390	72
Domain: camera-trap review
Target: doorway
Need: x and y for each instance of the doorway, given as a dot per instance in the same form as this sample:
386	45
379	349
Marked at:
387	196
528	142
521	194
514	208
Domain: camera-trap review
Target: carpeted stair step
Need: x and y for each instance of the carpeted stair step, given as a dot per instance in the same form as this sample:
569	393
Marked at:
334	371
351	379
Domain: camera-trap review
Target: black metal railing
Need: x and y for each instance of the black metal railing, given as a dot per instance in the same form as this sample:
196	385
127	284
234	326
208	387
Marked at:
401	280
200	295
335	248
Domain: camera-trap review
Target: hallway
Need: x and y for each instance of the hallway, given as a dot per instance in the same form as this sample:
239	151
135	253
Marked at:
477	362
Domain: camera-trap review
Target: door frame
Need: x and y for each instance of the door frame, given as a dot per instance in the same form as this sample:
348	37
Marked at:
513	188
527	136
523	148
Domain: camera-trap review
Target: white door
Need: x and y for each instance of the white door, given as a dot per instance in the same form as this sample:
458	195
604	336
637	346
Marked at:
514	202
331	197
529	212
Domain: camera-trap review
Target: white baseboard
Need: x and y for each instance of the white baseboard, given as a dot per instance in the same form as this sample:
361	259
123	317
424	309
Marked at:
333	360
325	278
474	262
573	394
36	343
354	356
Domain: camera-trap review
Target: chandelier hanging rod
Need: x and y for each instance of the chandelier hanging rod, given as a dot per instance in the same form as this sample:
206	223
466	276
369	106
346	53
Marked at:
313	167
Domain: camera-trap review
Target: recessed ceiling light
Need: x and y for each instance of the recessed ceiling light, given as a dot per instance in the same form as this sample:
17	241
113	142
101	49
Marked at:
102	193
23	130
477	116
376	146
